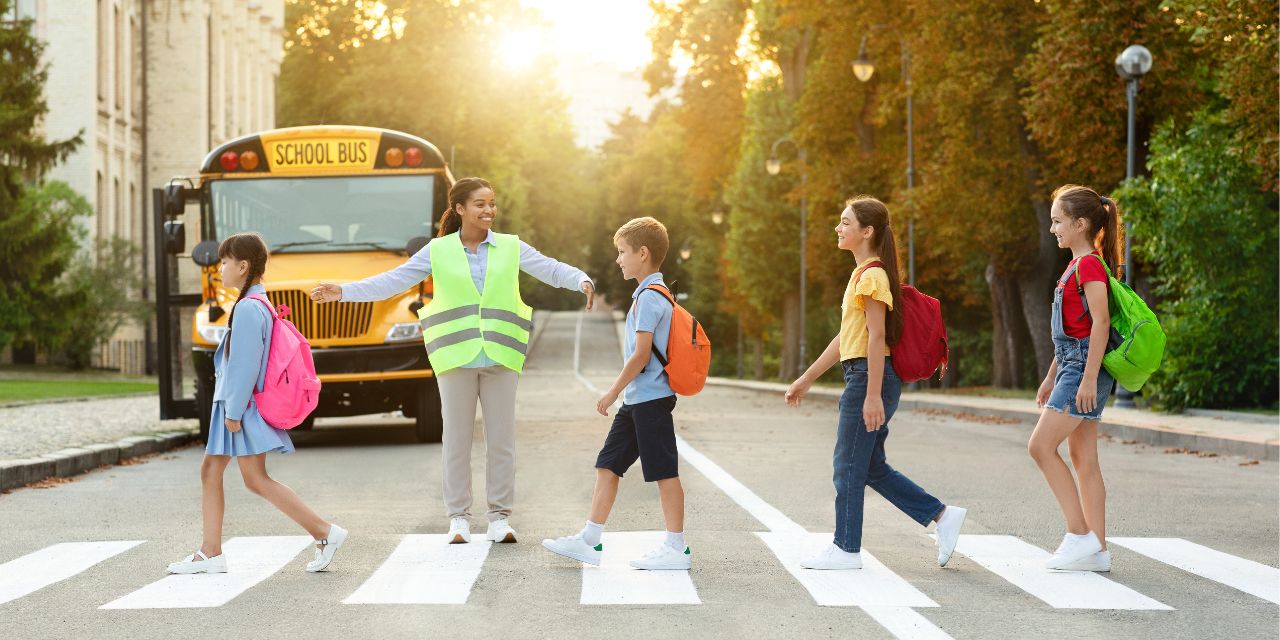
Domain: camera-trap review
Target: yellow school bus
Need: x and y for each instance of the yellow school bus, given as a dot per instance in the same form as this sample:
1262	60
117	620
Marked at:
334	204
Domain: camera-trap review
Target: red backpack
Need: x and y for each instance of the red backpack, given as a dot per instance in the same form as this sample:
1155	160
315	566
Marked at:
688	349
922	348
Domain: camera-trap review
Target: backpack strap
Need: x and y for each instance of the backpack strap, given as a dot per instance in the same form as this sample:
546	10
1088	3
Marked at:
874	263
666	295
1080	286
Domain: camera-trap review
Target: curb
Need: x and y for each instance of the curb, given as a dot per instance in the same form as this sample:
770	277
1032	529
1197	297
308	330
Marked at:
28	403
76	460
1173	437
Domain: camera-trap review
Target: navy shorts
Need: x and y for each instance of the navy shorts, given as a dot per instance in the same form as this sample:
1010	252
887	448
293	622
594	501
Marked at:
644	431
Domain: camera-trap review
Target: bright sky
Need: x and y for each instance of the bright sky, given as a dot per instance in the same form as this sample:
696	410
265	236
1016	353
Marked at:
600	30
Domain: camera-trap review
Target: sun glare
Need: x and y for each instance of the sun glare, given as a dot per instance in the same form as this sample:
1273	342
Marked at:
518	50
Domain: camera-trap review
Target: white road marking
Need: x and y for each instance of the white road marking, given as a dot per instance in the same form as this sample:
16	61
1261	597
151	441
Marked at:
55	563
1248	576
615	581
424	569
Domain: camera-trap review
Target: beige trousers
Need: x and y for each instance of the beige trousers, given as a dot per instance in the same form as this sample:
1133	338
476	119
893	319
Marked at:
495	388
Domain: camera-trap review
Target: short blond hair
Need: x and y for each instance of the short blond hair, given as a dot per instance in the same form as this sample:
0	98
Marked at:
645	232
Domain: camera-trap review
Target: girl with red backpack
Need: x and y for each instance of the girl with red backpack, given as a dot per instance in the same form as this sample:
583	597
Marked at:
871	325
236	428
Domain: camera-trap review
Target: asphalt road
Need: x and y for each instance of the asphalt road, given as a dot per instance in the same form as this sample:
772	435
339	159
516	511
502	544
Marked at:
758	483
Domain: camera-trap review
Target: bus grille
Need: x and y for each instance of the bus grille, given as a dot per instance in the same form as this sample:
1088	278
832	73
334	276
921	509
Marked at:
335	320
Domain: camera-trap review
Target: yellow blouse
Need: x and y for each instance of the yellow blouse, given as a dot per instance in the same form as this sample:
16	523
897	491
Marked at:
853	318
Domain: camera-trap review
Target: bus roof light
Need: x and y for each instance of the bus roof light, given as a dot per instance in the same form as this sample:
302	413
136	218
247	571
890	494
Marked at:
413	157
230	161
249	160
395	157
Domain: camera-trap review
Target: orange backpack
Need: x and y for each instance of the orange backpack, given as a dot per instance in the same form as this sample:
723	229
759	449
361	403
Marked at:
688	349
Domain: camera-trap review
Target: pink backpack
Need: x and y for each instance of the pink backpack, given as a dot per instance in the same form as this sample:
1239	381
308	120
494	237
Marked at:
292	389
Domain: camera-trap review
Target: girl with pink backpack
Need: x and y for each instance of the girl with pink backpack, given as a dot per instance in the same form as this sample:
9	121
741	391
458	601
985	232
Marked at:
237	428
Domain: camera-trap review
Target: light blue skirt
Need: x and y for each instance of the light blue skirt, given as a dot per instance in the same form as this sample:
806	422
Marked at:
254	437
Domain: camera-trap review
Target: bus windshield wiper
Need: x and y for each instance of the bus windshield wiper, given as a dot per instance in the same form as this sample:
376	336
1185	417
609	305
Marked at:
302	243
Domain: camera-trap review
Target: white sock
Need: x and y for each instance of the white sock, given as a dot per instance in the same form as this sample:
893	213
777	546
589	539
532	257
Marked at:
676	541
592	532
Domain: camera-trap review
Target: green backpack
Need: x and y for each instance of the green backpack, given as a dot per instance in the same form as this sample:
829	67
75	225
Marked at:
1136	346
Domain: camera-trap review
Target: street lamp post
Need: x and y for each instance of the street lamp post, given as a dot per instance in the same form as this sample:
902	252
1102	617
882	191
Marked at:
1132	63
863	69
774	166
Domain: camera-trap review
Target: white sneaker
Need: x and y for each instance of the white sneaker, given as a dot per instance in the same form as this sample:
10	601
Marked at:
575	548
833	558
500	531
328	547
459	531
205	564
664	558
948	532
1100	561
1073	549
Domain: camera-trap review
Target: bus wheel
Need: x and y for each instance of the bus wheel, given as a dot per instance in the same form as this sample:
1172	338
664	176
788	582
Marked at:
204	405
428	424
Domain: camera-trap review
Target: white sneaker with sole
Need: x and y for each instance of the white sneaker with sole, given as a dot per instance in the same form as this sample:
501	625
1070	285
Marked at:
327	547
459	531
1074	548
199	563
948	532
500	531
1100	562
833	558
575	547
664	558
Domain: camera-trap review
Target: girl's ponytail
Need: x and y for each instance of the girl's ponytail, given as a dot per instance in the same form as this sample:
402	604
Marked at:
1112	237
451	220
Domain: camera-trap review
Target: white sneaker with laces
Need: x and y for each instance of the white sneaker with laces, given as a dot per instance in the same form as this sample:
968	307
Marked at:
1100	562
948	531
575	547
198	562
328	547
1074	548
664	558
500	531
833	558
459	531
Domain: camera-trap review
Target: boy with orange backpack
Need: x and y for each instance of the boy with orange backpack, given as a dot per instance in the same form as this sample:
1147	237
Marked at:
643	428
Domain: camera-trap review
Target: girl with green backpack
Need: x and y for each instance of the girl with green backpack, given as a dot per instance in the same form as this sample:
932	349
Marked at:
1077	385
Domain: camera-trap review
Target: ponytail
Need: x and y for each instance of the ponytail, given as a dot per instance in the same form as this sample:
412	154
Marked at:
252	248
870	212
451	220
1112	237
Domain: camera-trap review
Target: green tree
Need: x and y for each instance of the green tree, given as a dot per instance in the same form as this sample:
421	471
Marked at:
1201	219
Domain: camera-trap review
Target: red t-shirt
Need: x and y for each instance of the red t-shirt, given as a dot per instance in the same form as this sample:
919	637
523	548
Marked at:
1072	308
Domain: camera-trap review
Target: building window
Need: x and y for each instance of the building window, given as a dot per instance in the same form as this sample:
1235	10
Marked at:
135	65
119	57
117	222
102	52
100	207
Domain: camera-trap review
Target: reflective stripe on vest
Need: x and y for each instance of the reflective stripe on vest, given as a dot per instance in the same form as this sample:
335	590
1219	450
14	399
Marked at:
460	323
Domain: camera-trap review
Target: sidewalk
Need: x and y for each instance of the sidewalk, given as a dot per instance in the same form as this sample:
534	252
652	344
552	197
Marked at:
1256	437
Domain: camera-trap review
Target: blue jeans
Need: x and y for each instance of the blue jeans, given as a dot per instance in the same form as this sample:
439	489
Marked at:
859	459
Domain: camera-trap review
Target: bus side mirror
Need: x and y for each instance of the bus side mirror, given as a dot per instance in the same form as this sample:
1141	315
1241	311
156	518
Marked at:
205	254
416	244
174	203
175	236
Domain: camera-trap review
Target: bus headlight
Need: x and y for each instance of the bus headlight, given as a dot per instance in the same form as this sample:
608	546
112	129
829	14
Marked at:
404	331
212	332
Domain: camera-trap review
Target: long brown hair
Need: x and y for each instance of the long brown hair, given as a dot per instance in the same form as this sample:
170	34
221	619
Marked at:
250	247
451	220
870	212
1103	216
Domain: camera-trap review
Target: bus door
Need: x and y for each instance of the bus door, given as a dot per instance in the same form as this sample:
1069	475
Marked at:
178	211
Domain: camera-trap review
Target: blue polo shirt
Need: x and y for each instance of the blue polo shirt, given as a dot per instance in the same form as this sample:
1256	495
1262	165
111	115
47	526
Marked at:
650	312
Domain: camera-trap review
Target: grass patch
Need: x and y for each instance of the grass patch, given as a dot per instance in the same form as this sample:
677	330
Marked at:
28	390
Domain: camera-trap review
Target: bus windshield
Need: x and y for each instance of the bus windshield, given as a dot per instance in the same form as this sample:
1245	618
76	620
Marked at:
314	215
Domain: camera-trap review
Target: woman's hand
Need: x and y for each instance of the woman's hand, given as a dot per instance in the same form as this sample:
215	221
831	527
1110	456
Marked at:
1042	395
232	425
1087	396
873	412
590	290
795	393
326	293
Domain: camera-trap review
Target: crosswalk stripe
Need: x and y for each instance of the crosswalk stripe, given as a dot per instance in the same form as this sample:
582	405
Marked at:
250	560
615	581
1022	564
424	569
875	585
1238	573
55	563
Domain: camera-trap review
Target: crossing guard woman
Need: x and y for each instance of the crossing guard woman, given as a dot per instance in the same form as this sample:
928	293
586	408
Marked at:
476	330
